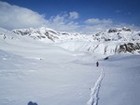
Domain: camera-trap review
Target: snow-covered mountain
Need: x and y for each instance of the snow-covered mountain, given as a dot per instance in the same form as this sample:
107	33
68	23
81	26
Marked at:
109	42
116	34
59	68
50	34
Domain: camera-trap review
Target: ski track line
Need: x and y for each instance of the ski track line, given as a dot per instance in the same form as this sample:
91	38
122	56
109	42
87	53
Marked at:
95	90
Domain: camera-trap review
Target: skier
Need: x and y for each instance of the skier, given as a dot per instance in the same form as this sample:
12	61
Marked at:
97	64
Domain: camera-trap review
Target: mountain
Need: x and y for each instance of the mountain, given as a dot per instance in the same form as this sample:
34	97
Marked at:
48	67
116	34
49	34
109	42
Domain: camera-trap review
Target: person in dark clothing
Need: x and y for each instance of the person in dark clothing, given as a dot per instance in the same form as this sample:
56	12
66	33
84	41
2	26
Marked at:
97	64
31	103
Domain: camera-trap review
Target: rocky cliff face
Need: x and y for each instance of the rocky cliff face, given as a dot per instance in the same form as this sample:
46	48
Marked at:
129	47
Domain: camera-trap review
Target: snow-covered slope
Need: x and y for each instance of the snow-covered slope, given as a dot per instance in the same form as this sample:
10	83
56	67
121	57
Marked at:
34	71
116	34
47	34
109	42
121	83
58	68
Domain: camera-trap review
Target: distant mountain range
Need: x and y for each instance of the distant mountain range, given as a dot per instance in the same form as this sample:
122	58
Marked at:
111	41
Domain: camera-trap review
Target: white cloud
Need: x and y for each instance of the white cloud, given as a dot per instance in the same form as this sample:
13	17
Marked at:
62	23
12	16
73	15
94	25
94	21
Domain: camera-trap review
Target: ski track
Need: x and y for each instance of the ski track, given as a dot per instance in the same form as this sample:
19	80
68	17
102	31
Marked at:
95	90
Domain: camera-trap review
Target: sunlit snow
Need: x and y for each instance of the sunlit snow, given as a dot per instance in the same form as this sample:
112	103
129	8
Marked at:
60	68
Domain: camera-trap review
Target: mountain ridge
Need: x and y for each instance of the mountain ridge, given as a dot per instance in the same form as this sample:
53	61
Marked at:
111	41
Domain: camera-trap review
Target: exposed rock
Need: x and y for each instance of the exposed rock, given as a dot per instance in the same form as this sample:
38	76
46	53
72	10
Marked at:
112	30
106	58
129	47
126	29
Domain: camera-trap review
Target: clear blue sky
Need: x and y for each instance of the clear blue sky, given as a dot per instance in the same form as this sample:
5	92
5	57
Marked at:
126	11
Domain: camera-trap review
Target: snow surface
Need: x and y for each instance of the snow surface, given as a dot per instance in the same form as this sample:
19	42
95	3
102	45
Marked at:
121	83
64	72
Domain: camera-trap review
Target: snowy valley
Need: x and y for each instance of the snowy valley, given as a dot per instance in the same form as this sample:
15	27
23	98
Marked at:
59	68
